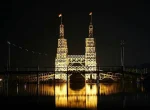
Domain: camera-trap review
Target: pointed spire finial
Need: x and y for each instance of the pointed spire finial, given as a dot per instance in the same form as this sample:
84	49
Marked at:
91	17
90	26
61	27
60	15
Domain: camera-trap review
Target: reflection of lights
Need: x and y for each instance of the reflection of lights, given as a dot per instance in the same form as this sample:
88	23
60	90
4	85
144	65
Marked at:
25	86
0	79
80	98
142	88
76	92
46	89
108	88
85	97
91	96
60	95
91	89
91	101
43	89
17	88
61	90
76	98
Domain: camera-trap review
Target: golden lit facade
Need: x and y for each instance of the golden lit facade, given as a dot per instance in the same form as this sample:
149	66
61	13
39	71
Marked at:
76	59
61	61
65	62
90	55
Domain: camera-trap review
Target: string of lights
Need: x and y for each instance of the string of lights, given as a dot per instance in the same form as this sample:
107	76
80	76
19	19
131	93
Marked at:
25	49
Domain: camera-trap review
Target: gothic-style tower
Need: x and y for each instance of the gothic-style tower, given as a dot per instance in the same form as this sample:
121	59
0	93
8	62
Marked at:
61	61
90	52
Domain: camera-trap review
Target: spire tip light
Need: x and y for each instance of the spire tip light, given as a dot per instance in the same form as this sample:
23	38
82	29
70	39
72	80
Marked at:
59	15
90	13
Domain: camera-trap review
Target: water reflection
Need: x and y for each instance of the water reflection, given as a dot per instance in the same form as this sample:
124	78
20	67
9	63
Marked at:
75	95
74	98
107	89
91	95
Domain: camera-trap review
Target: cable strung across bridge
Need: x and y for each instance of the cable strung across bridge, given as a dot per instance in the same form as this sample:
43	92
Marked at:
25	49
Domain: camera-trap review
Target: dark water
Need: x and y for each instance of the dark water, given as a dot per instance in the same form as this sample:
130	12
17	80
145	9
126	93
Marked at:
77	95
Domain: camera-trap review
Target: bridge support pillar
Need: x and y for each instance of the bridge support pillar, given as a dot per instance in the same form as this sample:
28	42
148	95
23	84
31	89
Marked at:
67	77
38	82
5	83
67	84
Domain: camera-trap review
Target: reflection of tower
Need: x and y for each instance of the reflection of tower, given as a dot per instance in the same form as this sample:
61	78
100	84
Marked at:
90	52
91	96
79	98
61	61
61	95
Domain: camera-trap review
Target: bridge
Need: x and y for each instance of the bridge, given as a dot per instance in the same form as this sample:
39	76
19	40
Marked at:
67	65
85	63
47	74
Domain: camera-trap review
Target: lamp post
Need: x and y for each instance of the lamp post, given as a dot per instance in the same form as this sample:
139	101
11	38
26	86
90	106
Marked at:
8	54
122	54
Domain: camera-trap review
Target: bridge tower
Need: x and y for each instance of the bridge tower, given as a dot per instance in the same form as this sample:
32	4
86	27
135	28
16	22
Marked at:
61	60
90	53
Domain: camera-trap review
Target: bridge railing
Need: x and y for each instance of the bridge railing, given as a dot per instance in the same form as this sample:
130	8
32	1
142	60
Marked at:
30	69
111	68
66	69
76	68
137	70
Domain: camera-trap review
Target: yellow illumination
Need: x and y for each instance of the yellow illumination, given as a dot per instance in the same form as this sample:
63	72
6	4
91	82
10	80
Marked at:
85	97
65	62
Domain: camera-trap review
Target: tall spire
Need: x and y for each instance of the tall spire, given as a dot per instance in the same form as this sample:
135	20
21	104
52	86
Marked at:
61	34
90	26
91	17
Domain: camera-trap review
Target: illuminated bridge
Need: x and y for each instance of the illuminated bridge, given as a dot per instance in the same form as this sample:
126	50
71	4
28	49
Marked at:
39	74
65	62
68	65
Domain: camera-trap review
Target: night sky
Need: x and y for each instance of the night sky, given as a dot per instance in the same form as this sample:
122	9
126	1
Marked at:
35	26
